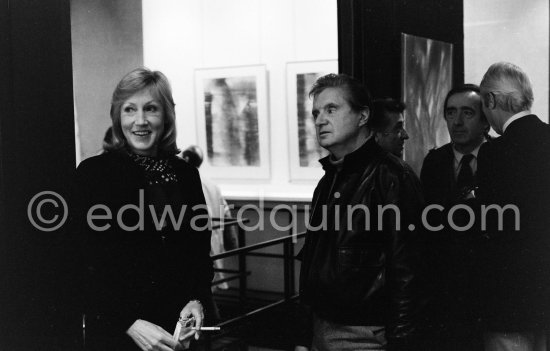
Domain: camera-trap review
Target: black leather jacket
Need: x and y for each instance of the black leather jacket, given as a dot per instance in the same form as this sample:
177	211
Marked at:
353	274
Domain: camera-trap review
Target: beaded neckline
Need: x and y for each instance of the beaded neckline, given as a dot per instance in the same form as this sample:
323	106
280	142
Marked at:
157	170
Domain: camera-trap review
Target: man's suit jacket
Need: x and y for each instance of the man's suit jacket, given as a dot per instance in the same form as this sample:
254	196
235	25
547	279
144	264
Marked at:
437	176
515	170
451	254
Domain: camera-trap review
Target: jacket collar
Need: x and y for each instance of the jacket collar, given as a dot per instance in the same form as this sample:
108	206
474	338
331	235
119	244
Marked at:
514	118
522	126
356	159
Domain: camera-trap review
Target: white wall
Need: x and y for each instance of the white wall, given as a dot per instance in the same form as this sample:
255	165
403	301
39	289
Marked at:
513	31
181	36
106	44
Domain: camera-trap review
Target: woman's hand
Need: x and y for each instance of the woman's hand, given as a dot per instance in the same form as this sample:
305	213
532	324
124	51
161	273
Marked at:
192	309
149	336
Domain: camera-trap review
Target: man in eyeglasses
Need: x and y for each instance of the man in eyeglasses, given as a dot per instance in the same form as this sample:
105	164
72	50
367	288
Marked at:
387	123
515	172
448	176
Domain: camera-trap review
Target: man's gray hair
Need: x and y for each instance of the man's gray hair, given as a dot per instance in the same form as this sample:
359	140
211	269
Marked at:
510	85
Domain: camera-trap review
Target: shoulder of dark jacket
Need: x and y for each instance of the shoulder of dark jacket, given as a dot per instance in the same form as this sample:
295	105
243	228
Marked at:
440	152
488	146
105	159
396	166
525	126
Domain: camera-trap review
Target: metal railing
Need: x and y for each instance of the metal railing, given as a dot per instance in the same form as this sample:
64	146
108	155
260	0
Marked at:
241	272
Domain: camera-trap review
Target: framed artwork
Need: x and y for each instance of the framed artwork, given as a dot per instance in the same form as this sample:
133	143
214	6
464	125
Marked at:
304	150
232	122
427	68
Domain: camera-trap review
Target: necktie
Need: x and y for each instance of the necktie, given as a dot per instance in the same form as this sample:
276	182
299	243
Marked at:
465	177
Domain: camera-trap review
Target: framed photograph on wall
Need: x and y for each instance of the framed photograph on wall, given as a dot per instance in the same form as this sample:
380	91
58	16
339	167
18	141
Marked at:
427	68
304	150
232	122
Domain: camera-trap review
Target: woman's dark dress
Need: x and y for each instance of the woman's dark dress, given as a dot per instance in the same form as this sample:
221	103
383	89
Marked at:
131	268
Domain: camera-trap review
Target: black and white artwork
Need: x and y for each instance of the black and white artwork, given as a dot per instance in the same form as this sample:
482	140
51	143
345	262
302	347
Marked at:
305	151
231	116
427	68
427	77
232	121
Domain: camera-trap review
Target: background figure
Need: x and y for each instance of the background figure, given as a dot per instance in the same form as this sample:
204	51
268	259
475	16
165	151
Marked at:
222	238
514	170
448	175
387	123
140	270
359	280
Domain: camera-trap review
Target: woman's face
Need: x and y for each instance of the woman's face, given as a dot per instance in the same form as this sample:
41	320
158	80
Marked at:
142	121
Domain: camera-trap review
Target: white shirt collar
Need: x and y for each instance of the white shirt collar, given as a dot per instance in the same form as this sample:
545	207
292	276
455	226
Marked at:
459	155
515	117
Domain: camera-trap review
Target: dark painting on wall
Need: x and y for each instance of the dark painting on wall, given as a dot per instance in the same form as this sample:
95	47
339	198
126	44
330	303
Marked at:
427	68
232	121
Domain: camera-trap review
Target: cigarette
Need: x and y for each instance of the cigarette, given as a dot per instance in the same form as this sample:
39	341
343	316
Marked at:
206	328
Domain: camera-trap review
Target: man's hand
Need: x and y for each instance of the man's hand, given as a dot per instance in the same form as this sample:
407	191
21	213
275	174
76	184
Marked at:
151	337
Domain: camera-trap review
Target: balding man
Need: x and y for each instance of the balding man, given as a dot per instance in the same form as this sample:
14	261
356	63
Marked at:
514	171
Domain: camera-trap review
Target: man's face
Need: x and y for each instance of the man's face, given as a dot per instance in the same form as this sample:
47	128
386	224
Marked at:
463	116
338	126
392	139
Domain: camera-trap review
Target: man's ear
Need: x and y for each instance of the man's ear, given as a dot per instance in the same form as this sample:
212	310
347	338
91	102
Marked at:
364	116
490	101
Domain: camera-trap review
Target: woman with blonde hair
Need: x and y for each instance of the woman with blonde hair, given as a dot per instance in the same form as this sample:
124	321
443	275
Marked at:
142	218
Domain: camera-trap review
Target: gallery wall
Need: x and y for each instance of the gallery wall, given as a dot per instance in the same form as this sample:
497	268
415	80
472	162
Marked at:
508	30
182	36
106	43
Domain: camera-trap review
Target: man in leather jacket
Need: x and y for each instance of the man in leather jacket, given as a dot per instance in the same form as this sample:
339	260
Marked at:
361	251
